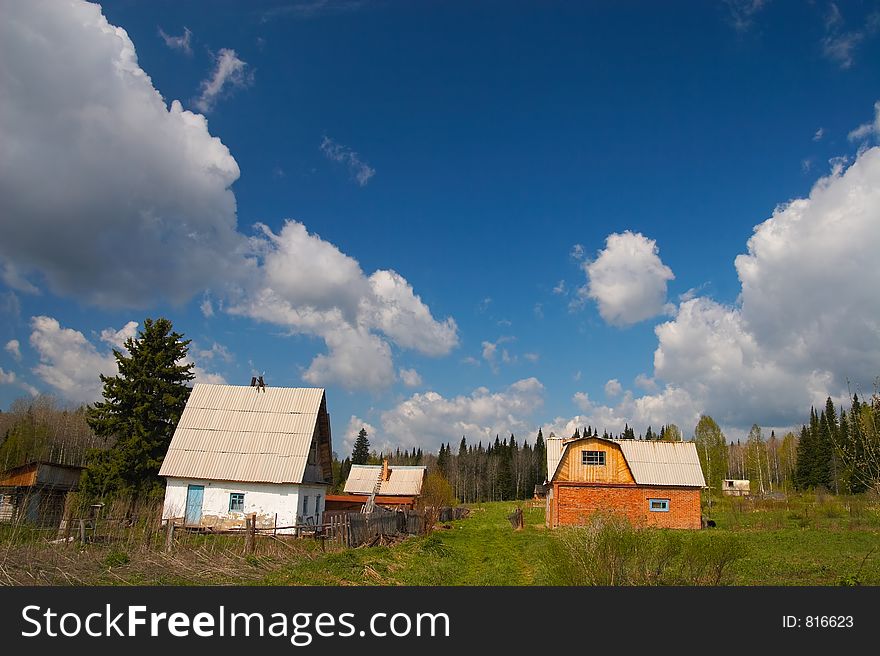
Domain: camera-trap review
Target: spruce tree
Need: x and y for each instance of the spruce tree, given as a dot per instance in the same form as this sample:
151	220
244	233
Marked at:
140	411
360	454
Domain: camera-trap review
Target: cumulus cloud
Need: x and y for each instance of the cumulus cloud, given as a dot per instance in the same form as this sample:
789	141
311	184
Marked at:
69	363
430	419
582	401
627	279
410	377
310	286
107	193
360	170
14	349
230	73
613	388
805	326
181	42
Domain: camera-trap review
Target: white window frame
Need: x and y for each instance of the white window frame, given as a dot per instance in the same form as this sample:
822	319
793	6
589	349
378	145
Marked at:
236	494
600	458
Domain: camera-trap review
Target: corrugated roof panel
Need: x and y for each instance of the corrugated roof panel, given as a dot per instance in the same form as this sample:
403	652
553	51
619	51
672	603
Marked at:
554	454
663	463
406	481
362	479
241	433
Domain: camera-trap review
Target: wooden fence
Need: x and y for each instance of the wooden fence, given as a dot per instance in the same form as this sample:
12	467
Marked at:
355	529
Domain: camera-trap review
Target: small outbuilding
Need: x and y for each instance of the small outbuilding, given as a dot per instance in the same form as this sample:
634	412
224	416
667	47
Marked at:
651	483
242	450
394	486
36	492
735	487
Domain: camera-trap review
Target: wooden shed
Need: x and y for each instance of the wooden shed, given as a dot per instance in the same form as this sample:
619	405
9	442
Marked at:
650	483
36	492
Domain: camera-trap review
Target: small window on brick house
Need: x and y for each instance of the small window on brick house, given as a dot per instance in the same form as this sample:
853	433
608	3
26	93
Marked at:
592	457
236	502
658	505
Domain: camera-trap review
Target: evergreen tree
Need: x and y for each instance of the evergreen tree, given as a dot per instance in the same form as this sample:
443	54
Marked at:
540	453
141	408
360	454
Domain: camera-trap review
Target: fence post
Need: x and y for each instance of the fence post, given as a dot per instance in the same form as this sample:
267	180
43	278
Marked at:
169	534
250	524
82	531
67	529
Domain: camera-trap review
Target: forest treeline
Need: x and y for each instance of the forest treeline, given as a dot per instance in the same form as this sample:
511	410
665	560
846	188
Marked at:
837	449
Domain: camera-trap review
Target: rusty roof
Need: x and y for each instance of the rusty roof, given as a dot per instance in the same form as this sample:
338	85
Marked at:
243	433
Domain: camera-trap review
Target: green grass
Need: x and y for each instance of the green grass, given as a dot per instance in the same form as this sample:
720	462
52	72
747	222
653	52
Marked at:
805	540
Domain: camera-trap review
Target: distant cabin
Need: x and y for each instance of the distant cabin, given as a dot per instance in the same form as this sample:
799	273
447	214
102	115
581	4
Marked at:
735	487
36	492
651	483
395	487
239	450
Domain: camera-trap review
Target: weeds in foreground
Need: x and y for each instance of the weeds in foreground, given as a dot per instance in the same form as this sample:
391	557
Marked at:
609	551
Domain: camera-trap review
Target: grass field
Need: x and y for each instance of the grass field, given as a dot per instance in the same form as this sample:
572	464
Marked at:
805	540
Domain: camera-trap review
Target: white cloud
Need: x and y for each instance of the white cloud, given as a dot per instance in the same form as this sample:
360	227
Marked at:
69	363
582	401
627	279
117	338
866	130
230	73
577	252
559	289
360	170
6	378
14	349
217	351
310	286
613	388
106	193
355	424
181	42
207	308
531	357
149	215
645	382
410	377
429	419
819	134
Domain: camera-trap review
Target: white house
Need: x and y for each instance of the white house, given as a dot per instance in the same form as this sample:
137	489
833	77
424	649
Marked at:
239	450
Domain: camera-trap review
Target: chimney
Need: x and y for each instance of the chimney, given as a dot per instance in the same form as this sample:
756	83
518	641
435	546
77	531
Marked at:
385	470
253	381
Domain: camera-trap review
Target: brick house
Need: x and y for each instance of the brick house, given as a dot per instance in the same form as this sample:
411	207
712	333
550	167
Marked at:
650	483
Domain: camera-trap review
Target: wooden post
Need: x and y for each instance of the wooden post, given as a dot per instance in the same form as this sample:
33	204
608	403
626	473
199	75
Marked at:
82	531
169	534
67	529
250	525
275	526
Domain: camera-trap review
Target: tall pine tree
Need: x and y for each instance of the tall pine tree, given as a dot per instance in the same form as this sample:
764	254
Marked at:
141	407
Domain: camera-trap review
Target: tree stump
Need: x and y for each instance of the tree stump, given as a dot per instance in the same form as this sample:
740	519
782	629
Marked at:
516	519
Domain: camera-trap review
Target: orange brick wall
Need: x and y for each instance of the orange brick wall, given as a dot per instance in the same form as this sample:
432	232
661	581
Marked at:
573	504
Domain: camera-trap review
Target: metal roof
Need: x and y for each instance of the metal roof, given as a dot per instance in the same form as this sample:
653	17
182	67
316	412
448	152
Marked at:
243	433
663	463
555	447
654	462
402	480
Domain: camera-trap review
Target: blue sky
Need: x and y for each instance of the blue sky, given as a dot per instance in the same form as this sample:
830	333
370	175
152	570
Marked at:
484	152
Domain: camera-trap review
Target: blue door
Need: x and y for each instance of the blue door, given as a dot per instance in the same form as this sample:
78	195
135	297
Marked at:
194	495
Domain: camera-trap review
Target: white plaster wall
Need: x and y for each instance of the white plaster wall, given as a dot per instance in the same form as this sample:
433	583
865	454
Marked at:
264	499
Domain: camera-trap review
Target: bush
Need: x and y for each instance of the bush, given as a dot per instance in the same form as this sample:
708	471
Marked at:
609	551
